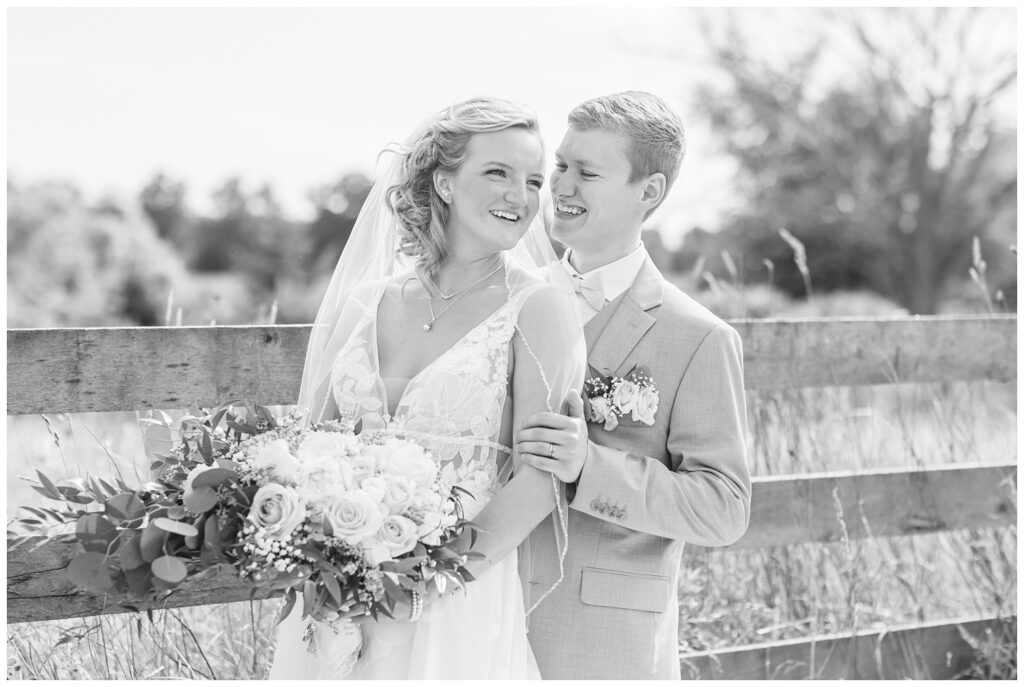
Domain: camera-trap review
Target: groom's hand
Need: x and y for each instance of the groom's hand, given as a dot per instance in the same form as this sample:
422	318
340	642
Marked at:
556	443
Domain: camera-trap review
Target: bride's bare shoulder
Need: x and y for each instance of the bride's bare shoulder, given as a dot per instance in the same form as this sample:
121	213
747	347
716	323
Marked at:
402	285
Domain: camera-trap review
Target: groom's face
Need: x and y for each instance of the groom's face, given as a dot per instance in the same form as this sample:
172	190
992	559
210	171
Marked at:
597	207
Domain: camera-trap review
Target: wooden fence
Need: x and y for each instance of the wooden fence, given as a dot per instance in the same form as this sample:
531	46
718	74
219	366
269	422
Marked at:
108	369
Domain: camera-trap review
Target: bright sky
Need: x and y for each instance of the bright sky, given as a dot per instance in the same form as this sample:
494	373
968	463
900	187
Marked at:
297	97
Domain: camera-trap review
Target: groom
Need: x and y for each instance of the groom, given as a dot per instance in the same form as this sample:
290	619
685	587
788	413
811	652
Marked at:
672	467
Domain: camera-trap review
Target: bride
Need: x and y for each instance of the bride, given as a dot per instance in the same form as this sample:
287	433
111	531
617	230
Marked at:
453	351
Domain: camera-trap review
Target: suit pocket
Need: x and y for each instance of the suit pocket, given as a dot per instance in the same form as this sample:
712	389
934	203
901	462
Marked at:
631	591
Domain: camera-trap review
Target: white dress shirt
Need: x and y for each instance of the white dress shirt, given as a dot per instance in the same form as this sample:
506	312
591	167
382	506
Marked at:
611	279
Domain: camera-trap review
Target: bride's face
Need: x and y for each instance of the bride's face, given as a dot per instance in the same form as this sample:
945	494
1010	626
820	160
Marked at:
495	194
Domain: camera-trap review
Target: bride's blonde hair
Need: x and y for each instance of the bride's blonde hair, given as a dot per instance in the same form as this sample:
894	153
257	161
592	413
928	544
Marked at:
441	145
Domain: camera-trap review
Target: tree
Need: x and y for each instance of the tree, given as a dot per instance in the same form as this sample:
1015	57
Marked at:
337	207
163	201
247	234
885	166
72	264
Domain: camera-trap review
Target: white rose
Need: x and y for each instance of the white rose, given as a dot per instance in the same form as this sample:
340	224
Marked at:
399	534
324	472
363	466
275	459
325	444
399	494
375	487
354	516
408	460
624	395
646	406
277	510
598	409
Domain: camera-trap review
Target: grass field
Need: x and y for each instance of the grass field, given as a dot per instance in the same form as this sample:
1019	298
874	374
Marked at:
727	598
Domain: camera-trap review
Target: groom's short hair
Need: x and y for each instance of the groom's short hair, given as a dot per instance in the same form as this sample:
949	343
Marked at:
658	142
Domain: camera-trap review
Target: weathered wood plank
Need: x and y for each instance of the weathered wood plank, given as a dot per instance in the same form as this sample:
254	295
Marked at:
38	588
782	354
934	651
105	369
793	509
102	369
785	510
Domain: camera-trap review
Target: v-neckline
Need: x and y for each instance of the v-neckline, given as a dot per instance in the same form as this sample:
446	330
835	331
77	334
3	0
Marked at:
375	351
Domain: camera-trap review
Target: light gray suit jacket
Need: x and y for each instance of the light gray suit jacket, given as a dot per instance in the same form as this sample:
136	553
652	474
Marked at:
644	491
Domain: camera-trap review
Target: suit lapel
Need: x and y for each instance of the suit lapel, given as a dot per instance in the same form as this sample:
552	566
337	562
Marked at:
611	336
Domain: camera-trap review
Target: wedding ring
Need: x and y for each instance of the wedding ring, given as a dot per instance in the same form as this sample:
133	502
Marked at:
551	450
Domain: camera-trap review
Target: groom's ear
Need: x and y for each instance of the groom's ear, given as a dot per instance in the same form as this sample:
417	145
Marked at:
654	188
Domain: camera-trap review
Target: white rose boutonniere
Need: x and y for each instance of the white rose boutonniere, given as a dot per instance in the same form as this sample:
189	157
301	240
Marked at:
612	398
646	405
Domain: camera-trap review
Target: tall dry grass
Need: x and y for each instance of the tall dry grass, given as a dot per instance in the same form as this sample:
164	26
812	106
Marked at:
727	598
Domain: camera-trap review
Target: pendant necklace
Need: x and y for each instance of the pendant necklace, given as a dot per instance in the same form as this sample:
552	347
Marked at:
454	296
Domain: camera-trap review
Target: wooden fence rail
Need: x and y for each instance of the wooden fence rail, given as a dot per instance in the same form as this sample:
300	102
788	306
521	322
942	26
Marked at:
105	369
926	651
109	369
786	510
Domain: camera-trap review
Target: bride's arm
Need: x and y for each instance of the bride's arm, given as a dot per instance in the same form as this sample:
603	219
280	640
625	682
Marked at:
549	360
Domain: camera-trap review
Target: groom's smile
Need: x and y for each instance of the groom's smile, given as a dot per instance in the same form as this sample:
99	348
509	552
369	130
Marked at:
568	211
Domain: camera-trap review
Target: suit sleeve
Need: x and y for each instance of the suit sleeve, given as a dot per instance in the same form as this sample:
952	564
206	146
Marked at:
705	497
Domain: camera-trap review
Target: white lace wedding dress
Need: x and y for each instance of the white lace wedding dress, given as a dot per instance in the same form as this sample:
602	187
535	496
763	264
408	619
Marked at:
456	408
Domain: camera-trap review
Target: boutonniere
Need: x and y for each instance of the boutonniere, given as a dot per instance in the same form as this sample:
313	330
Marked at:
613	397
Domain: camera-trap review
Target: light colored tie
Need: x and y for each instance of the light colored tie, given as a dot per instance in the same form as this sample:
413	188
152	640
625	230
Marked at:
590	291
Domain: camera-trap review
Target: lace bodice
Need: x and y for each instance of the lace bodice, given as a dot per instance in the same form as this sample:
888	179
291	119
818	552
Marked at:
453	407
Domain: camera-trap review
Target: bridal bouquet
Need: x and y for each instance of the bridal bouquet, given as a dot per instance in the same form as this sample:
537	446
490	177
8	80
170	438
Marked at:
356	523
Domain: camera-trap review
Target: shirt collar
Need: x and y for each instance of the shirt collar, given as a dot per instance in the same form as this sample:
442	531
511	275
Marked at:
615	277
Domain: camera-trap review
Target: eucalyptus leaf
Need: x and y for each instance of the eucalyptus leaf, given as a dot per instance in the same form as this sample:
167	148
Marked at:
95	533
199	500
176	513
125	507
169	569
213	477
91	571
151	543
176	527
156	438
129	553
